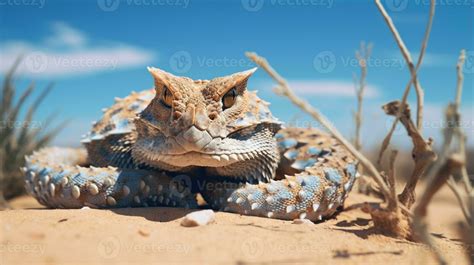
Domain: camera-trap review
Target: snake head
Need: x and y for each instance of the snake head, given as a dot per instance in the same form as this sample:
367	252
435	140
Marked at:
206	123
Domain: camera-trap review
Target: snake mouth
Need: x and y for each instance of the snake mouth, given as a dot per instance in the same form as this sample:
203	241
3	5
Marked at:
194	147
217	153
204	159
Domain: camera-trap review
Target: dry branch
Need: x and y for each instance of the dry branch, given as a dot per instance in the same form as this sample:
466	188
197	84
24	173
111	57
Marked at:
365	184
393	222
453	116
284	89
413	71
465	209
452	164
456	116
362	55
454	131
466	232
391	180
444	170
422	152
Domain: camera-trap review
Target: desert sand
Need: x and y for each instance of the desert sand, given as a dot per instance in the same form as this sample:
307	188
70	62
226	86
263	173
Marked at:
31	234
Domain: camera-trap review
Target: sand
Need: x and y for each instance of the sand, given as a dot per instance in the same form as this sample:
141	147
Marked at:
32	235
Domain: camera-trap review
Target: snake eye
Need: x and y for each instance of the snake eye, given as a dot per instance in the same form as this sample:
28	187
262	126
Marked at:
166	97
228	99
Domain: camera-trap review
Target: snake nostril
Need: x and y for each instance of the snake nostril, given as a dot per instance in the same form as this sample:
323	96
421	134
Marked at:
212	116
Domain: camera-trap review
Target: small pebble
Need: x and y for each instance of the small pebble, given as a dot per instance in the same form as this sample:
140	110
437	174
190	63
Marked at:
143	232
302	222
86	208
35	235
198	218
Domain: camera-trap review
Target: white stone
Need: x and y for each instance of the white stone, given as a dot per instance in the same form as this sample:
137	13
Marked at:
302	222
198	218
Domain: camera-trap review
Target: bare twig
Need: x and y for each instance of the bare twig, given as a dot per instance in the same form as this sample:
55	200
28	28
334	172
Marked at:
422	152
460	80
391	222
453	130
465	232
452	164
460	133
413	71
453	116
365	184
285	90
452	185
391	179
464	173
362	56
407	56
443	171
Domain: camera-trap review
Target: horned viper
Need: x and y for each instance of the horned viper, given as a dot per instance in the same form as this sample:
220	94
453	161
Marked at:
161	147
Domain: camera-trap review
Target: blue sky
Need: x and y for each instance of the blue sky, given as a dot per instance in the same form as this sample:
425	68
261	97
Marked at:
99	49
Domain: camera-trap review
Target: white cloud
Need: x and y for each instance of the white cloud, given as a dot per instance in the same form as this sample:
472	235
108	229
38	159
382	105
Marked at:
438	59
376	124
68	52
434	119
63	34
70	135
429	59
335	88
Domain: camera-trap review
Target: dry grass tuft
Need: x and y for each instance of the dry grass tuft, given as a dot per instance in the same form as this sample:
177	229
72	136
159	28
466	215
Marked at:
19	136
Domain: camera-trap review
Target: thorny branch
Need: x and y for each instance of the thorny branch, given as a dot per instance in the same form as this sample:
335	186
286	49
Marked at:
413	71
